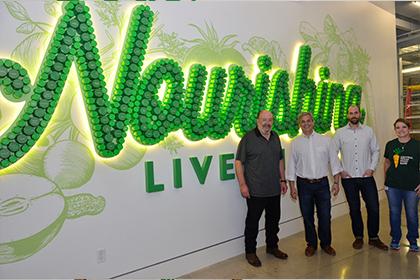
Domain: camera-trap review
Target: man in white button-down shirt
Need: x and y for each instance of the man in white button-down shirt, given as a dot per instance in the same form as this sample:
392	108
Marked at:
308	165
359	157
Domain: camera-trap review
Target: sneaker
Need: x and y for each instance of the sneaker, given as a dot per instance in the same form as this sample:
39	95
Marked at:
414	247
395	245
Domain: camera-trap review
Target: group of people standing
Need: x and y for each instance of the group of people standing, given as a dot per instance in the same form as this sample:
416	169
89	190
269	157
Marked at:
262	178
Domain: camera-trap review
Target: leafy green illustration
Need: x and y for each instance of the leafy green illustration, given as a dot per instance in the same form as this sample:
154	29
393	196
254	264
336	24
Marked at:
172	144
26	28
17	11
27	51
257	45
109	13
171	45
52	7
340	51
210	49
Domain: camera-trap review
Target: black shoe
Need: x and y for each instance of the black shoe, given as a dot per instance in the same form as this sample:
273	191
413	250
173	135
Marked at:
253	259
277	253
378	244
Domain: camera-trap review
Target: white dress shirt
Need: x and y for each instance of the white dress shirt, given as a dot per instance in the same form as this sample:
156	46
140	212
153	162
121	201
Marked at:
310	157
359	149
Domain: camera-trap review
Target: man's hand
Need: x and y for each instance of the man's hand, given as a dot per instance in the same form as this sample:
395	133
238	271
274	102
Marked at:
417	190
368	173
344	174
283	187
335	189
244	191
293	192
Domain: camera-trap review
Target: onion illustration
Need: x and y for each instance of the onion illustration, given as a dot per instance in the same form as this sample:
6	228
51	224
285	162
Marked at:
69	164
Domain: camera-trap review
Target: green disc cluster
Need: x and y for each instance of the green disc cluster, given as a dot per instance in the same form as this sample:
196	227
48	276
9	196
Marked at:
264	63
135	100
324	73
92	80
74	40
328	110
339	118
262	85
237	105
324	102
15	84
278	102
309	100
155	118
353	96
109	119
196	125
320	105
300	87
14	80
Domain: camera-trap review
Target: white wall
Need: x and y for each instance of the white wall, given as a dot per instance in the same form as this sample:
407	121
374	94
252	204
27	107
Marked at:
173	232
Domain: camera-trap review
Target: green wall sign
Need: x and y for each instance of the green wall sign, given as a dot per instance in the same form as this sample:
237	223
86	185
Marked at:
231	100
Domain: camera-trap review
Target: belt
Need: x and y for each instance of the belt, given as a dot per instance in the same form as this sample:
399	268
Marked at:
312	181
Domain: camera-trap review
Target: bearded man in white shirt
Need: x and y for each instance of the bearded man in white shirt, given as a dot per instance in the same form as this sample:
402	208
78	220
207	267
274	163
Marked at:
359	158
308	166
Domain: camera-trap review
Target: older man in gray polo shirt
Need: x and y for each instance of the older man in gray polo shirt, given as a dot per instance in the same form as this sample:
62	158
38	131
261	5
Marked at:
259	168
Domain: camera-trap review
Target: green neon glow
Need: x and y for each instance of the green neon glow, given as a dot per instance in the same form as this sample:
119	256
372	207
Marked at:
232	99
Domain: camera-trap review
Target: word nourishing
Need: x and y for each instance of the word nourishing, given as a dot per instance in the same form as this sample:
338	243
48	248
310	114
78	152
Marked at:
231	98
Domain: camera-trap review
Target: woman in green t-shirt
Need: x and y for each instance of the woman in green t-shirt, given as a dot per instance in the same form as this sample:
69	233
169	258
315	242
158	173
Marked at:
402	183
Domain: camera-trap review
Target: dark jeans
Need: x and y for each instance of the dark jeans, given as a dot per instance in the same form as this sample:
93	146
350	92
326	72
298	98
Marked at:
256	205
311	195
367	187
411	203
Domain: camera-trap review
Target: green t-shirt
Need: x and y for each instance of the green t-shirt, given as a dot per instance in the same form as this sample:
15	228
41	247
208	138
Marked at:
404	170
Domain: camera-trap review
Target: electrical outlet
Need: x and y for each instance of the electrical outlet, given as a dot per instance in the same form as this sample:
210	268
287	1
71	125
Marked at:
101	255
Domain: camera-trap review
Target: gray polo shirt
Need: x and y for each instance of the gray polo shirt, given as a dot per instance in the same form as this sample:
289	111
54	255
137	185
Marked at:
261	160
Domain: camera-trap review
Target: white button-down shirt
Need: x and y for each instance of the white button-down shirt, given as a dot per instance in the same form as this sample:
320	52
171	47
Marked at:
359	149
310	157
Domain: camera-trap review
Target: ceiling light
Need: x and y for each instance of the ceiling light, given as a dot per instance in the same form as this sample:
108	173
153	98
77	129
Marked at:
417	3
409	70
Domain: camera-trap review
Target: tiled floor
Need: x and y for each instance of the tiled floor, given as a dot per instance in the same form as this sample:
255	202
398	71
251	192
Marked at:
368	262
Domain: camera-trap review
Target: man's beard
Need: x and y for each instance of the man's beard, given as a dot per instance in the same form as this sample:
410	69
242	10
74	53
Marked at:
354	121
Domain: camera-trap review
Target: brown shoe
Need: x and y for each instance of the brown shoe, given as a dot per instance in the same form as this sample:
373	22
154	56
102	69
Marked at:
329	250
378	244
309	251
358	243
277	253
253	259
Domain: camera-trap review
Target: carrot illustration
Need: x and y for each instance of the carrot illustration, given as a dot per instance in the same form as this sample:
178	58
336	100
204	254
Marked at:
396	156
396	159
